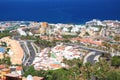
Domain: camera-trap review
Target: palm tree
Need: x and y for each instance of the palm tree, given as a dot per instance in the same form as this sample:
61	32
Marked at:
100	69
87	71
107	45
115	47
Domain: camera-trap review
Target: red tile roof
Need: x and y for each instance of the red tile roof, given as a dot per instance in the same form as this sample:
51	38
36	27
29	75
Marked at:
88	40
18	68
2	66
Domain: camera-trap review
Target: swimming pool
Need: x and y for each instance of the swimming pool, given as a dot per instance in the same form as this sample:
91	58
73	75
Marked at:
2	49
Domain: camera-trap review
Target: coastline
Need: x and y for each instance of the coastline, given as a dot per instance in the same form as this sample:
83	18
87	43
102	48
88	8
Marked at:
82	22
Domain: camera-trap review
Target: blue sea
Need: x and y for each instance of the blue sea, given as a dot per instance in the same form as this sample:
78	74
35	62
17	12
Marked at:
59	11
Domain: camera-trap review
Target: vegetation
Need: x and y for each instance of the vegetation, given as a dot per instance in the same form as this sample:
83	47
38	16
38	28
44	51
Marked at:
100	28
66	40
77	71
4	44
6	61
117	38
73	73
59	74
27	37
101	69
115	61
107	45
5	34
69	29
74	62
44	43
86	34
87	71
113	75
110	46
69	36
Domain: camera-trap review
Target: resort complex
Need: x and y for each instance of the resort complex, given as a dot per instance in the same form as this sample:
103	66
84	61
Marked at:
46	51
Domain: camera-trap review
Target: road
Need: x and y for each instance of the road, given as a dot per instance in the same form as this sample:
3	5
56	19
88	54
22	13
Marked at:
32	52
29	50
90	57
26	55
86	48
94	57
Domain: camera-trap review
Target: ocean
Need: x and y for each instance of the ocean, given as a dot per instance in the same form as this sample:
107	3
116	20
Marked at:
59	11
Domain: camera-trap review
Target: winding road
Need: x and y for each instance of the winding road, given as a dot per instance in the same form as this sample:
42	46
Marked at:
90	57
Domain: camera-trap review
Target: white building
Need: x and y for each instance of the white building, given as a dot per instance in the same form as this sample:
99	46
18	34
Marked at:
21	32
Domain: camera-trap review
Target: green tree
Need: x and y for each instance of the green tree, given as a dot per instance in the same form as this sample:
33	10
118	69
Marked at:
5	34
87	34
87	71
107	45
113	75
117	38
100	69
8	61
115	61
44	43
70	28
